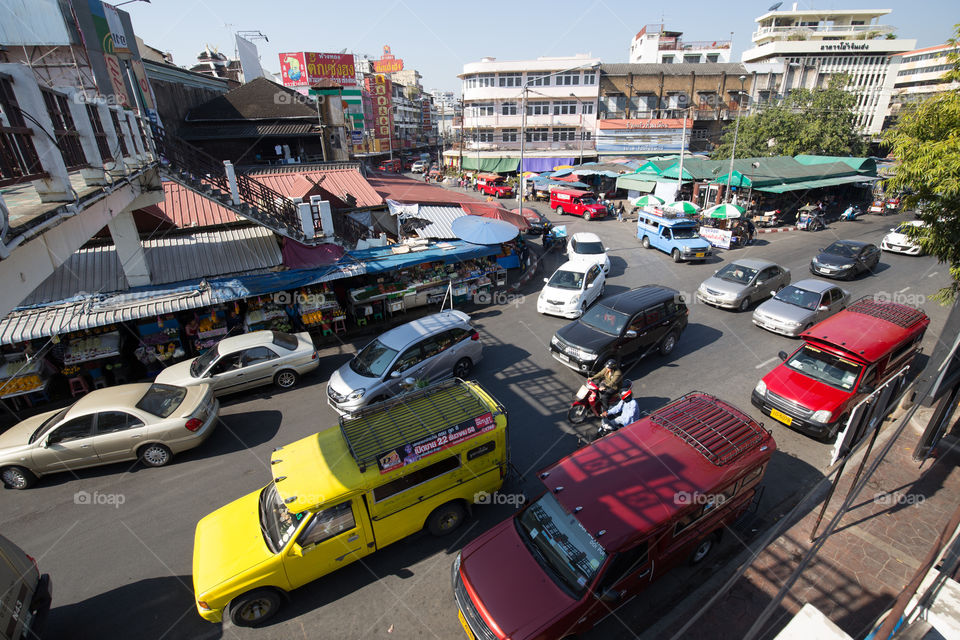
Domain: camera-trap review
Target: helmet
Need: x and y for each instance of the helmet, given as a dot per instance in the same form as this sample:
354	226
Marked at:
626	391
610	364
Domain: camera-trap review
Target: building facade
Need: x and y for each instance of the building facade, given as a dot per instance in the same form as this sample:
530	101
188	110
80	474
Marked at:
919	75
808	47
654	44
560	99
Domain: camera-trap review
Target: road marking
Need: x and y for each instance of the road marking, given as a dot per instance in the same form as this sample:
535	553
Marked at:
930	275
765	363
904	290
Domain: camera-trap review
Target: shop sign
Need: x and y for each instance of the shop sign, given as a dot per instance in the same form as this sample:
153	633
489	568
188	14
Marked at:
116	29
293	70
115	71
380	89
388	63
410	453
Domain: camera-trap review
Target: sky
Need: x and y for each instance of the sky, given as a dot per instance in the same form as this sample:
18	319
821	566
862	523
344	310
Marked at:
438	38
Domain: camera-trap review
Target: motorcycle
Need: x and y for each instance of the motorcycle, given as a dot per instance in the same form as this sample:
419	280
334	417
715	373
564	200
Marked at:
586	404
851	213
770	219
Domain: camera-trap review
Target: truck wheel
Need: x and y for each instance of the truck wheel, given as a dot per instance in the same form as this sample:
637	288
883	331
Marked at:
645	242
254	608
702	550
445	519
18	477
587	215
676	255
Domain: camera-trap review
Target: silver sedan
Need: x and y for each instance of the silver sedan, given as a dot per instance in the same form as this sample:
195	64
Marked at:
800	306
743	282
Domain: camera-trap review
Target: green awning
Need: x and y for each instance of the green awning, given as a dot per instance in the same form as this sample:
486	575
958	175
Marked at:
494	165
636	183
816	184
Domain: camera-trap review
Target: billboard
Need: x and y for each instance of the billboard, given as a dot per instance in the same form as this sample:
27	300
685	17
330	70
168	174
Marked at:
305	68
388	63
425	114
643	135
249	59
116	29
381	96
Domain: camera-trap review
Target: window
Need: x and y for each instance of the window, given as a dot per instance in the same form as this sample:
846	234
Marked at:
285	340
835	295
538	108
592	274
327	523
226	363
586	107
751	477
256	355
486	80
667	59
656	314
623	565
162	399
114	421
409	358
564	134
75	429
436	344
589	77
484	109
587	135
485	136
539	80
510	80
470	82
508	135
901	351
415	478
713	501
568	79
508	108
691	59
768	274
537	135
564	107
713	57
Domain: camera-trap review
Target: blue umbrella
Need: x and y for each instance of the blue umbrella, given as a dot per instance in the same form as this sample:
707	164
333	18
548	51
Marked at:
480	230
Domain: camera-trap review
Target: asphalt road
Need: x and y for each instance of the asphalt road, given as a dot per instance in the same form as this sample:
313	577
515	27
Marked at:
121	565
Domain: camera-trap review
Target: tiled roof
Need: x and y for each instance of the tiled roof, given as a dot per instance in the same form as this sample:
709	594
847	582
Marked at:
391	186
187	209
258	99
215	131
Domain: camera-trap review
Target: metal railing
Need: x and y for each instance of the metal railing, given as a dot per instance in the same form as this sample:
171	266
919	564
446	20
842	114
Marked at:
878	29
103	142
687	45
19	161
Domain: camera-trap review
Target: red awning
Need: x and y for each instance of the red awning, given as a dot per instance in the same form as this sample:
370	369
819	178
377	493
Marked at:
496	212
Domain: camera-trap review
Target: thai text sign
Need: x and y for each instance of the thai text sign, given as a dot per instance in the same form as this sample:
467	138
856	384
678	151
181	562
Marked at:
304	68
388	63
380	89
717	237
409	453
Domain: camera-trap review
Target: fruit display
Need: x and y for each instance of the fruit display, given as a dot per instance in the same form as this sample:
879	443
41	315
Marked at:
92	348
20	376
22	384
212	325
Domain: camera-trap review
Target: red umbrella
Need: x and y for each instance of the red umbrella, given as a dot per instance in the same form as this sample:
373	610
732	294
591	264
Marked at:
497	212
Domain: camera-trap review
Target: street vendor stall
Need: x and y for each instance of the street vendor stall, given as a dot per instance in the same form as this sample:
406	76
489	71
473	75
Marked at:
268	312
20	376
318	307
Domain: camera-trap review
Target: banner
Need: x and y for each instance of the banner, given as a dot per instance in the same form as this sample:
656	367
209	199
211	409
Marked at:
305	68
292	70
624	136
717	237
115	70
410	453
381	95
116	29
388	63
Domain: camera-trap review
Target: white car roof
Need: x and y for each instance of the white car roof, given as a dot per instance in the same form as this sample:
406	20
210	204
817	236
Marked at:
245	341
586	236
577	266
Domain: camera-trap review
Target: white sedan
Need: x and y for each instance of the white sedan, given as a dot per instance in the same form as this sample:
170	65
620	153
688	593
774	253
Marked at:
587	248
571	289
898	241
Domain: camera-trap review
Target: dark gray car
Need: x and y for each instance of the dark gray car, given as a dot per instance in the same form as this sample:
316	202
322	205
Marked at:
743	282
800	306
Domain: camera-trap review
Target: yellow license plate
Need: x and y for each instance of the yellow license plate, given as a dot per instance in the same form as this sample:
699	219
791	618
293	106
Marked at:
782	417
463	622
698	255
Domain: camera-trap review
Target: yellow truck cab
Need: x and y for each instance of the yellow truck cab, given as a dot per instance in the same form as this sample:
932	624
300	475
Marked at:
415	461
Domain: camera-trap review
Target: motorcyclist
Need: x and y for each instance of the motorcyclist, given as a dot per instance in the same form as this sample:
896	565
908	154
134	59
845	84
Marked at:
609	379
625	412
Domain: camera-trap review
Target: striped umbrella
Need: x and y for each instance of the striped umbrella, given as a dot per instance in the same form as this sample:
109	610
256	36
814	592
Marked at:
649	199
725	211
682	206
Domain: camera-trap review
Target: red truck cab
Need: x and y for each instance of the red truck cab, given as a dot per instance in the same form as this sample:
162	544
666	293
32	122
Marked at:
841	361
613	517
390	166
579	203
494	185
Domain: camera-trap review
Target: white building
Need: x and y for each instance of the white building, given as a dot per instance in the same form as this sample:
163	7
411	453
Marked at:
561	107
446	107
919	75
655	45
809	46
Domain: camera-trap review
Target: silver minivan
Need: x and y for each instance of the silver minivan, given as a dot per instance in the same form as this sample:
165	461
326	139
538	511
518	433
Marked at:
24	594
434	347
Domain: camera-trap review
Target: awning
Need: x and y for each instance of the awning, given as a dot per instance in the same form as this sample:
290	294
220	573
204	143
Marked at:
495	165
816	184
635	182
378	259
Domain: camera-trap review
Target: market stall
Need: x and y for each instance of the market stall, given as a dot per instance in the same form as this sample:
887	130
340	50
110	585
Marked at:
23	377
269	312
159	345
318	307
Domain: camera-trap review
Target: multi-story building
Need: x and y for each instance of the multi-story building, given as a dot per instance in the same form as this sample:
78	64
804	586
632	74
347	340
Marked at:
809	46
560	95
654	44
446	107
919	75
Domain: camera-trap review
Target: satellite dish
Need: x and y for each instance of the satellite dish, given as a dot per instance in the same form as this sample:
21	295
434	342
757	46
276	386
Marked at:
775	6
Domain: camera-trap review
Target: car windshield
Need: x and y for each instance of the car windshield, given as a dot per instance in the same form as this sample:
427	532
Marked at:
560	543
566	280
799	297
201	364
589	248
825	367
685	233
276	521
737	273
285	340
588	201
162	399
373	360
605	319
842	249
49	422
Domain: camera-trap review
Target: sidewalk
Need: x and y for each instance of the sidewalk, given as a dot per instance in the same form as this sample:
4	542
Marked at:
861	568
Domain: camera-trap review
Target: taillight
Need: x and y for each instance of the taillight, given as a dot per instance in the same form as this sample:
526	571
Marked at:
194	423
475	336
32	560
315	356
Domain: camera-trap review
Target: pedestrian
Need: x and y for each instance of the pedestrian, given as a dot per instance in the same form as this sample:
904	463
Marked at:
620	212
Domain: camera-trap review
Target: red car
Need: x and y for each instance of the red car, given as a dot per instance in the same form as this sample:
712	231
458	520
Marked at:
841	361
578	203
494	185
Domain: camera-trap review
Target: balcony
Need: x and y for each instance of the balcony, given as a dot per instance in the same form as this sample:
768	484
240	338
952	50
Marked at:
567	145
545	120
817	32
694	45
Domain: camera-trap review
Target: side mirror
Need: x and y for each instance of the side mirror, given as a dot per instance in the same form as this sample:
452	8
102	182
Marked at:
590	286
608	595
630	334
773	293
893	230
395	374
296	550
823	307
783	355
545	280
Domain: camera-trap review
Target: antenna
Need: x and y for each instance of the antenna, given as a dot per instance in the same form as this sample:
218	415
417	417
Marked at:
775	6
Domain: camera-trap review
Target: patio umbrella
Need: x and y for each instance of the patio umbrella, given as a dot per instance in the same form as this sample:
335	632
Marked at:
496	212
480	230
724	211
563	166
527	174
685	207
648	199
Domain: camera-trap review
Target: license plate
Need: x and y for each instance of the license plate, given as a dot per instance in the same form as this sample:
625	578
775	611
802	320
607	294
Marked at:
463	623
698	255
560	356
782	417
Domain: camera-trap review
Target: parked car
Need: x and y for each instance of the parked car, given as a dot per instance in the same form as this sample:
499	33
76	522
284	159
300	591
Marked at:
494	185
587	248
898	241
339	495
418	167
743	282
434	347
626	327
571	289
408	165
249	360
26	594
845	259
151	422
611	518
841	361
390	166
799	306
578	203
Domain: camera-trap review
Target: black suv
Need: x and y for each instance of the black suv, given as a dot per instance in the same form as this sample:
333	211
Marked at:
627	327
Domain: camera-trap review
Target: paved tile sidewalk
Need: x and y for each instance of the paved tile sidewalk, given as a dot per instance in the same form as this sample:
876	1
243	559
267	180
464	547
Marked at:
861	568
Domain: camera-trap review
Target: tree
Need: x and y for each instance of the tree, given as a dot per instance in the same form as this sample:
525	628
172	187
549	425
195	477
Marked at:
817	122
926	144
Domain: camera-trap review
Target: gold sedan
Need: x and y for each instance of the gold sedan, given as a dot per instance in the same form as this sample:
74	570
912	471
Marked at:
149	422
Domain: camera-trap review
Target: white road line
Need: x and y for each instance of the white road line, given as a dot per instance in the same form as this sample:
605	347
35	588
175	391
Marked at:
930	275
904	290
765	363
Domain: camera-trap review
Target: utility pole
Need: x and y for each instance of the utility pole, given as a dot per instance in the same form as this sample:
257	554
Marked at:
736	131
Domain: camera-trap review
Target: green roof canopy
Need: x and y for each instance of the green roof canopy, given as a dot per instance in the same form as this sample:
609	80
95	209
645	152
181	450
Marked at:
636	182
495	165
816	184
867	166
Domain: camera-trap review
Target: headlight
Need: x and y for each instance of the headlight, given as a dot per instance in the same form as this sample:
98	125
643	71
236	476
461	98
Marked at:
849	265
555	341
790	323
456	563
356	395
761	388
728	296
821	416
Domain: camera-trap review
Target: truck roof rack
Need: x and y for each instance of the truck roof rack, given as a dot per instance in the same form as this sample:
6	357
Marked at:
718	431
896	313
410	417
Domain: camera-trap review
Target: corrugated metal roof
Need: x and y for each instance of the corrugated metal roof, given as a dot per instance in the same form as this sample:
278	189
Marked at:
187	209
338	181
675	69
170	258
440	219
248	130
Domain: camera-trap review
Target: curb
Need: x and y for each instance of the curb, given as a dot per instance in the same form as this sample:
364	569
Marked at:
775	230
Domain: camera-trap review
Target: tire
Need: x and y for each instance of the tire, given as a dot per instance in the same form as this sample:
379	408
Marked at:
577	414
676	255
831	437
17	478
445	519
744	304
462	368
702	550
155	455
645	242
668	344
254	608
286	379
587	215
603	289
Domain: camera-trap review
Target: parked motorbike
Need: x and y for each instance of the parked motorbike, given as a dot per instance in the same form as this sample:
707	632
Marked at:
772	218
851	213
586	405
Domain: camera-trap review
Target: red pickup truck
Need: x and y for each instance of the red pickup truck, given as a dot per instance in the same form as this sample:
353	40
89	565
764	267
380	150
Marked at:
494	185
579	203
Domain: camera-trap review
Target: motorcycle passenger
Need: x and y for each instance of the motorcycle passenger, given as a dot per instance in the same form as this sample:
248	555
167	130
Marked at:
625	412
609	379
